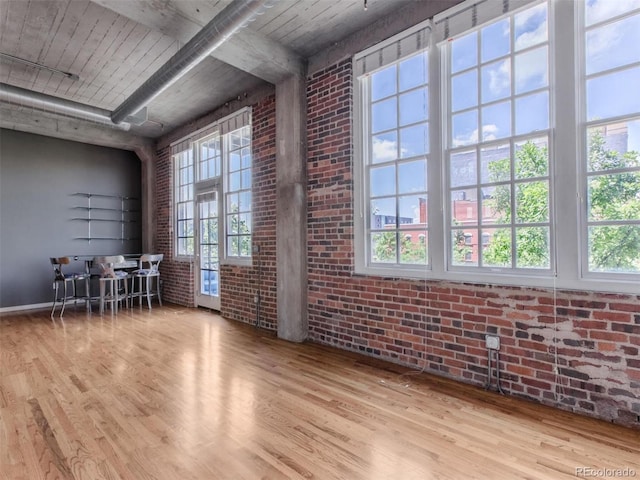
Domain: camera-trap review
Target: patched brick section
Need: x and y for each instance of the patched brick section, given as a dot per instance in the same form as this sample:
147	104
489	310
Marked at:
177	277
240	285
574	350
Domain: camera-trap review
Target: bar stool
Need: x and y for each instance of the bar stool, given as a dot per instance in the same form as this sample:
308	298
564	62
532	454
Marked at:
116	280
64	279
145	277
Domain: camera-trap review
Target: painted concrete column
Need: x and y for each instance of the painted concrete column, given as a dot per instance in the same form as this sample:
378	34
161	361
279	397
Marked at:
148	160
291	208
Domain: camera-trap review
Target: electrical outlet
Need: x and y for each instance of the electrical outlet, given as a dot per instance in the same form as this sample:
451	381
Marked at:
492	342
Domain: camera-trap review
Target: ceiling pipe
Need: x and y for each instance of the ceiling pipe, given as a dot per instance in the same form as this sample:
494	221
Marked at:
234	16
41	101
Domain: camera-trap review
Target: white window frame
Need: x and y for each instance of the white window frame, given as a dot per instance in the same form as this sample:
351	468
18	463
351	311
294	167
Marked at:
222	128
177	201
567	175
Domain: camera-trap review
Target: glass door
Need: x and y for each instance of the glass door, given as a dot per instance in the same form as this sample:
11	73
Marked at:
208	250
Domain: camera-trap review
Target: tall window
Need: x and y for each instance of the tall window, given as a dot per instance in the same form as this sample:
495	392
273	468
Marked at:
497	150
183	162
611	135
238	196
217	159
394	93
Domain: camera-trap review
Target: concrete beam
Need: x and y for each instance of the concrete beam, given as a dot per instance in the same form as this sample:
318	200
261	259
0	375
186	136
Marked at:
149	160
291	209
413	13
245	50
51	125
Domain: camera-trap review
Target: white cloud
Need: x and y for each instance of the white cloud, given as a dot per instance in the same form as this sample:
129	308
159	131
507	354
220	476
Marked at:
532	37
500	78
599	10
385	150
488	133
532	65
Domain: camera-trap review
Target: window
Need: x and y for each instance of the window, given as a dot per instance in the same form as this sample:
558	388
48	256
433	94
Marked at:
611	134
183	162
218	160
515	155
395	151
497	150
238	195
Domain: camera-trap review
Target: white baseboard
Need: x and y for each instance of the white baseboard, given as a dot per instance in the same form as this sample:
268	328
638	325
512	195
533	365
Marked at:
17	308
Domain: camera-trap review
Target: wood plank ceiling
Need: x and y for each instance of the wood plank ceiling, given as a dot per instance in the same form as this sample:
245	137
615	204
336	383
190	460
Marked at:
113	46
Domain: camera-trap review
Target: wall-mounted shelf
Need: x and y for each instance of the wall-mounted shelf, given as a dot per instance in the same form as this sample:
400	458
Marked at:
106	209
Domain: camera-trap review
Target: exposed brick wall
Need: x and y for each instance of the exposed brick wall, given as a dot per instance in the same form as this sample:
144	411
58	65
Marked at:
177	277
573	350
239	284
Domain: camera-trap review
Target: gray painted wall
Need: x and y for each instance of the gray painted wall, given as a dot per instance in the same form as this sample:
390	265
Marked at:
38	176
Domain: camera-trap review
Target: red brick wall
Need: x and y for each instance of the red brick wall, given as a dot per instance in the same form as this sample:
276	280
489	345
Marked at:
239	285
590	339
177	278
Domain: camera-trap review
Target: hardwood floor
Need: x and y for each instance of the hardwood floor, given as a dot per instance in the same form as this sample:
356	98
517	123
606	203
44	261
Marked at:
178	393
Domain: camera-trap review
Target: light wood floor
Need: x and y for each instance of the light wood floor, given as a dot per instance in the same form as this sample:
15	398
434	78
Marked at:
183	394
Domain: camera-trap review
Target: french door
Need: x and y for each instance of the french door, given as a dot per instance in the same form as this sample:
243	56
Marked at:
208	249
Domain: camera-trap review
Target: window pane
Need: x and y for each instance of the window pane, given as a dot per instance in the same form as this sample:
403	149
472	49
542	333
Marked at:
496	121
383	83
244	201
606	94
413	72
412	177
461	252
532	113
246	157
413	209
464	52
532	158
614	248
497	247
384	247
496	163
384	147
616	145
413	106
414	140
496	205
413	247
384	115
614	197
532	247
531	26
383	213
608	46
462	169
496	41
464	90
496	81
383	181
532	202
464	207
246	179
599	10
234	161
532	70
464	128
234	181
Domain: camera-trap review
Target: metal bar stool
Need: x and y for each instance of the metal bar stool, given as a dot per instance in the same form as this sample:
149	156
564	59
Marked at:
64	279
116	280
145	277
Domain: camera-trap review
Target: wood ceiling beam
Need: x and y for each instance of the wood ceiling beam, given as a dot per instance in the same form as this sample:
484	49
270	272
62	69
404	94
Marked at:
245	50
